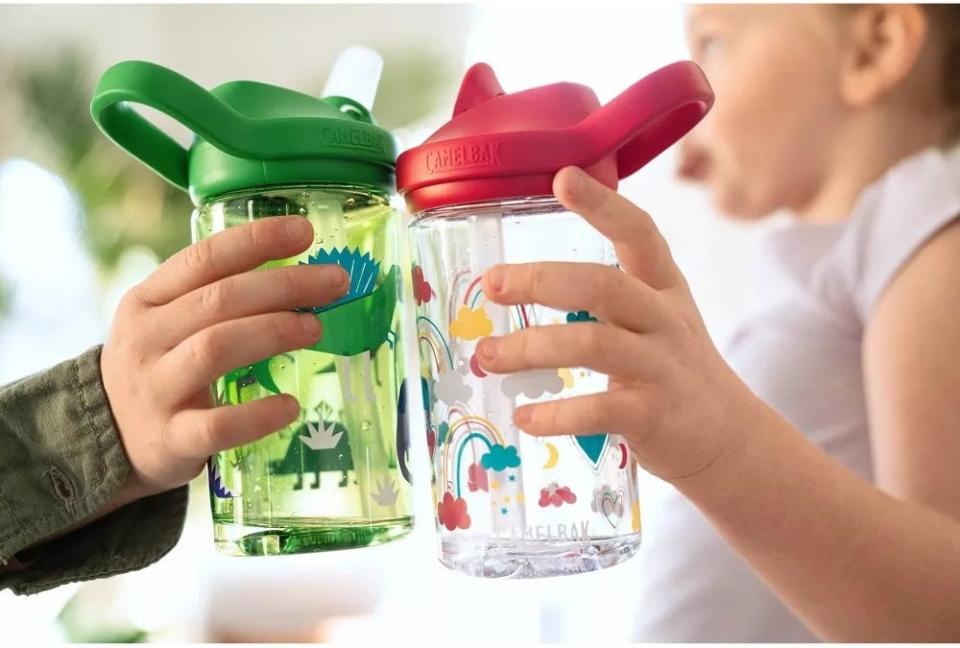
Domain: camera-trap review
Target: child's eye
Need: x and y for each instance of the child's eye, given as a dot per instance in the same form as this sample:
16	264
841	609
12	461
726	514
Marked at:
707	47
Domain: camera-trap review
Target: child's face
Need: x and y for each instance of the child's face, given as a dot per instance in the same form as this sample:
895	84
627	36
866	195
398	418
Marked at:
775	70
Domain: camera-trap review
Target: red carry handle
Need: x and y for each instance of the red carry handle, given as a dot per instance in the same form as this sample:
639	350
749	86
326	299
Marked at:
646	118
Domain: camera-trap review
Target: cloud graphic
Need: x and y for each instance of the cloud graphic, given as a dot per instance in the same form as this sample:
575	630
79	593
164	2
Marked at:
580	316
500	458
532	384
450	388
471	324
556	495
452	512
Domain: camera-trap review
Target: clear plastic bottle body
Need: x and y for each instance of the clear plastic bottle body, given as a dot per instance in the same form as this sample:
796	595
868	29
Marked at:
509	504
336	478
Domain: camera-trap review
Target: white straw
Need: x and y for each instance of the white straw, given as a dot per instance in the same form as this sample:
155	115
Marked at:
355	74
486	250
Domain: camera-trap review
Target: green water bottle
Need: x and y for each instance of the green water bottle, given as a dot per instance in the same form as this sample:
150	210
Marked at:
337	477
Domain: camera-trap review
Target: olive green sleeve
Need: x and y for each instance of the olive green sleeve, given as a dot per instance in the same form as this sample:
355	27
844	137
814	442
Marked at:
61	461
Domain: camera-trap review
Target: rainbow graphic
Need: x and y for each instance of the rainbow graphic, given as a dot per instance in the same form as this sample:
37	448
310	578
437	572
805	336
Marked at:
475	293
462	431
458	279
430	334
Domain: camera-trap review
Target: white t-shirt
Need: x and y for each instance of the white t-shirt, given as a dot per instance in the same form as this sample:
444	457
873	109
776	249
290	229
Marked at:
799	349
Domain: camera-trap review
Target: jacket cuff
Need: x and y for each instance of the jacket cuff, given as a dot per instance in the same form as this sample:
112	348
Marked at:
62	461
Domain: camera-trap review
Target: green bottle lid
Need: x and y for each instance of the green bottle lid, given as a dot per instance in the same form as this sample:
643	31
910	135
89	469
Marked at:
248	134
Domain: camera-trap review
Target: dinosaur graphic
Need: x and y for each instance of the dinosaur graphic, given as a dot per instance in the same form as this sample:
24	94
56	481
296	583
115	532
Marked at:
301	458
361	323
357	325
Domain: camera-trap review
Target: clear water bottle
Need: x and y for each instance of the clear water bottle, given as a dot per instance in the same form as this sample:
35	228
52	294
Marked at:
509	504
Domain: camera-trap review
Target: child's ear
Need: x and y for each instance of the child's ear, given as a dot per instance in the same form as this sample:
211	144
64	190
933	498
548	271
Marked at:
883	45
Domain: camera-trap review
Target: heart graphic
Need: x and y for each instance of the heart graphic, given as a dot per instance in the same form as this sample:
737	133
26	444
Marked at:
612	507
593	447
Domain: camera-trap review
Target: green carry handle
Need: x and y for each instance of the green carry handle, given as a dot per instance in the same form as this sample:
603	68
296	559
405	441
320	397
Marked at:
170	93
212	120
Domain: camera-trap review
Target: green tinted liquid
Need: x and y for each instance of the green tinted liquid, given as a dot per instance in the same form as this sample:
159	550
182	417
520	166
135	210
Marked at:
333	478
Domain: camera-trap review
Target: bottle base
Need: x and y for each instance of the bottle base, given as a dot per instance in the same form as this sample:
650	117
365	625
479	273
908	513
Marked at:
305	536
513	558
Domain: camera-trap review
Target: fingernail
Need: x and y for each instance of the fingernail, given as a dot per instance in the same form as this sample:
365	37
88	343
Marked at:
521	416
488	348
297	228
341	279
311	325
293	407
495	278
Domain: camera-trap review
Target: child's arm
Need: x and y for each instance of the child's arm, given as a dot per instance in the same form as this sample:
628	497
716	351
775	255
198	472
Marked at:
61	462
912	368
854	562
93	452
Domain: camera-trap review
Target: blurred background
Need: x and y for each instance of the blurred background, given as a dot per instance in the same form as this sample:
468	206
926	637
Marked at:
81	222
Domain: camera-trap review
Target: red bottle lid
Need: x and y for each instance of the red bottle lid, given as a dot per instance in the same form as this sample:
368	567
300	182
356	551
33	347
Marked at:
499	146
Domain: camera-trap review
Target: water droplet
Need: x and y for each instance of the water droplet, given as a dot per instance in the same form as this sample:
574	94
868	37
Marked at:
366	425
303	211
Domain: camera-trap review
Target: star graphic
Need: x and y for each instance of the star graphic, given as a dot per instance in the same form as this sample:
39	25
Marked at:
495	485
506	499
512	477
503	510
521	498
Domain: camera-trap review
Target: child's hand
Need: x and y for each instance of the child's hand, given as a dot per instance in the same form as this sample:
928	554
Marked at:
202	313
670	393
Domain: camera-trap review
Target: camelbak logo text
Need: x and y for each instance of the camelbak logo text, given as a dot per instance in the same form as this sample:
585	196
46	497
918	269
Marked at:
352	137
465	156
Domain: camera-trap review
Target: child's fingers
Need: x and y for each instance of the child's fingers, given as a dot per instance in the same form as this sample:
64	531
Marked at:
205	356
250	293
606	412
604	291
236	249
600	347
199	433
640	247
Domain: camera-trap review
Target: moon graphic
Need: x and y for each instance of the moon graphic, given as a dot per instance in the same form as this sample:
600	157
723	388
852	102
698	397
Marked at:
553	456
624	455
